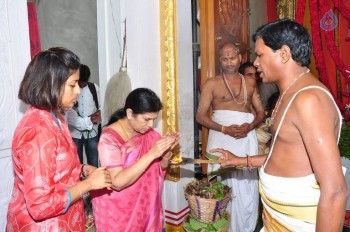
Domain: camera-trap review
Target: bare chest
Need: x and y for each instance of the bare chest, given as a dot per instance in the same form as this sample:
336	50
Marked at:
236	92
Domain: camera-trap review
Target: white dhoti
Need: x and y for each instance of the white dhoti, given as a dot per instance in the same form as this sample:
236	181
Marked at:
290	203
244	183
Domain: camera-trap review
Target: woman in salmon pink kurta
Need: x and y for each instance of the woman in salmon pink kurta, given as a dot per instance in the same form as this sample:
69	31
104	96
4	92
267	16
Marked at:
136	157
47	189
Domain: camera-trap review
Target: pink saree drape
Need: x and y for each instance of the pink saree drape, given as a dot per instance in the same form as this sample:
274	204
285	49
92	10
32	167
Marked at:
139	206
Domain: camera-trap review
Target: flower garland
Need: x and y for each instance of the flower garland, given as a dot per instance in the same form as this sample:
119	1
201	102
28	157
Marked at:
330	42
345	12
317	42
331	45
299	14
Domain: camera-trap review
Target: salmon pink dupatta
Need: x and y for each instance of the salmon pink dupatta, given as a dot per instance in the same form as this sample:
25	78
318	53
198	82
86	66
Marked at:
139	206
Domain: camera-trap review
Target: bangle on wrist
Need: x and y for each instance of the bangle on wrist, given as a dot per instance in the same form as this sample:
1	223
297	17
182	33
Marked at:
82	171
223	128
249	162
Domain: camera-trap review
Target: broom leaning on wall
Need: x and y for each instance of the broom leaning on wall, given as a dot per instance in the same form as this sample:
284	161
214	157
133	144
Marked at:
118	87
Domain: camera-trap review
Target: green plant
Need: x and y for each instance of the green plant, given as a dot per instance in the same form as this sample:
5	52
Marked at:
206	190
193	225
344	142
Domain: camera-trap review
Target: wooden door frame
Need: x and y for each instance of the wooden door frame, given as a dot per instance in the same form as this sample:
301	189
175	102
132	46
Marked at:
285	9
207	47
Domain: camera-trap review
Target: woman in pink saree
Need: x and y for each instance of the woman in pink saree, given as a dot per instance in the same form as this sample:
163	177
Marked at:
136	156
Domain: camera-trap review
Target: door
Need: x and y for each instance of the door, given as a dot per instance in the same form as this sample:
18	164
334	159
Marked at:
221	21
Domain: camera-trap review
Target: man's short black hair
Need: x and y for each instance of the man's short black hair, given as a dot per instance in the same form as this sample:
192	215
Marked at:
290	33
85	73
245	65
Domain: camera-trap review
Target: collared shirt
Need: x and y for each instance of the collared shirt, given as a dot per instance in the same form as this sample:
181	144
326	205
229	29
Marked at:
79	118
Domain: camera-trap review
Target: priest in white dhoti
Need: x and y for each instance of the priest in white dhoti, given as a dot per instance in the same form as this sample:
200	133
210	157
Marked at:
233	98
302	183
243	182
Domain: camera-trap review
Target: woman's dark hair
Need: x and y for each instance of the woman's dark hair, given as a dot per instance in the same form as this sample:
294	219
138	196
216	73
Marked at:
141	100
290	33
45	77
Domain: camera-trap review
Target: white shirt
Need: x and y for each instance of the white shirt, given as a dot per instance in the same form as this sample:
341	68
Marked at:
80	124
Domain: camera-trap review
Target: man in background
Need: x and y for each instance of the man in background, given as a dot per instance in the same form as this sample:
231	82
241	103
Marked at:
267	90
302	184
84	120
232	97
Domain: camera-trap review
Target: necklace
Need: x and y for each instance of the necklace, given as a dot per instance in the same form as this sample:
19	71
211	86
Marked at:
124	129
229	89
245	95
279	101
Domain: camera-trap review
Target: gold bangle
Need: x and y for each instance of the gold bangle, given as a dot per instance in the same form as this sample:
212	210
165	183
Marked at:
81	195
223	128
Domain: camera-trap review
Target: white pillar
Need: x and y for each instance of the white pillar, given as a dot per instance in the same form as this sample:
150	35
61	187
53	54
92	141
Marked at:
14	58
